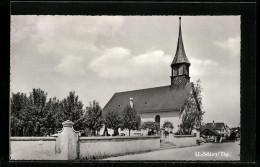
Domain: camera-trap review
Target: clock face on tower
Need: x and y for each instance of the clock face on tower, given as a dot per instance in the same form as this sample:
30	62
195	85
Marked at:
177	80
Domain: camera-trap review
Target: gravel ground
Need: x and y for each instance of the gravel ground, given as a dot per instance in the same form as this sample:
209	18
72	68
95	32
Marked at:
207	152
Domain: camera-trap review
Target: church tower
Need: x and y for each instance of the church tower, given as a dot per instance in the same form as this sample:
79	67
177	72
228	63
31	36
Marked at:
180	64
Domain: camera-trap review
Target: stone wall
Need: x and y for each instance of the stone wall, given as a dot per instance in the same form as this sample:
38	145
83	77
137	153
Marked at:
182	140
67	145
116	145
32	148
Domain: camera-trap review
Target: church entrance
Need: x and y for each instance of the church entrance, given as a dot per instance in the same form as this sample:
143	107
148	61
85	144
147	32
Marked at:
157	121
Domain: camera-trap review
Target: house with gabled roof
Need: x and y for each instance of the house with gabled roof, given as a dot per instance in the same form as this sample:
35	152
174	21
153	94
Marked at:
163	103
218	130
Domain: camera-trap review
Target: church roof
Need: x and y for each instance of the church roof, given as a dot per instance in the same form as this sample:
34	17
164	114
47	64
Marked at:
180	55
150	100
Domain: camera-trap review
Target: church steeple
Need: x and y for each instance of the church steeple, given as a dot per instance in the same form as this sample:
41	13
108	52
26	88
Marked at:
180	55
180	64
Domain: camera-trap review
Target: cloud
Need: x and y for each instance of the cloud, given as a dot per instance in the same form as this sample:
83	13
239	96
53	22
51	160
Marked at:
22	28
118	62
64	25
199	62
70	65
152	58
232	45
114	62
202	68
69	39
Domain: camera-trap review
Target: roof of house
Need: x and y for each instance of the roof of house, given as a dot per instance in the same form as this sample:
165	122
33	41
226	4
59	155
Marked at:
180	56
150	100
227	127
210	129
215	126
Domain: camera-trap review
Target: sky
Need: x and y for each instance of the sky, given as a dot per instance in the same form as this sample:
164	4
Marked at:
97	56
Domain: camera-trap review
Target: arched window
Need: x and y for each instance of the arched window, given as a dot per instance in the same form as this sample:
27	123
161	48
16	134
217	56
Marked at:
157	118
157	122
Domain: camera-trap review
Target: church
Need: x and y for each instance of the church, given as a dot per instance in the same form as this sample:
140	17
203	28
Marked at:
163	103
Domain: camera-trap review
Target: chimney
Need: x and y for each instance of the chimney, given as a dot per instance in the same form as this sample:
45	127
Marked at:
131	102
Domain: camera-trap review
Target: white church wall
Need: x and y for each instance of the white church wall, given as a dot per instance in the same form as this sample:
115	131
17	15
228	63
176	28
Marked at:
172	117
126	132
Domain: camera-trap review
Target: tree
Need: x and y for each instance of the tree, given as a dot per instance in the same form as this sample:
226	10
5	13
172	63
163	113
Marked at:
73	109
35	116
167	125
191	113
131	120
19	102
37	111
188	122
150	125
54	117
92	118
113	120
27	113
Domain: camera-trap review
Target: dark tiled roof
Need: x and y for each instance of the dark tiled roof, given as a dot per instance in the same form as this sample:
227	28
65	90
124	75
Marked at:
150	100
180	56
216	126
212	130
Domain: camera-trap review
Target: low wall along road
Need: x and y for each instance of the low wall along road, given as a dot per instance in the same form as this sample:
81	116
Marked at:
67	145
182	140
32	148
107	146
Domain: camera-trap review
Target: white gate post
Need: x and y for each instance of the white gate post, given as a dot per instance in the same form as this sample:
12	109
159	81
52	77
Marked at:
68	141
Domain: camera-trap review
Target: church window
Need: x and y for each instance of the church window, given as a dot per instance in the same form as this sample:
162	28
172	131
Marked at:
157	118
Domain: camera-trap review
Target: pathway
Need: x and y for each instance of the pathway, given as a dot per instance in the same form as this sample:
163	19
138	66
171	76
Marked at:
208	151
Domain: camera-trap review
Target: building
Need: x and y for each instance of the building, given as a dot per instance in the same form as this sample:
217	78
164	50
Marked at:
228	130
163	103
217	131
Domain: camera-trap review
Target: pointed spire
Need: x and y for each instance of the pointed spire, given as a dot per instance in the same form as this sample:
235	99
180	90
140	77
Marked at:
180	56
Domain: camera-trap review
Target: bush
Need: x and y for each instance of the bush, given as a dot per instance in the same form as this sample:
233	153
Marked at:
168	124
151	125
